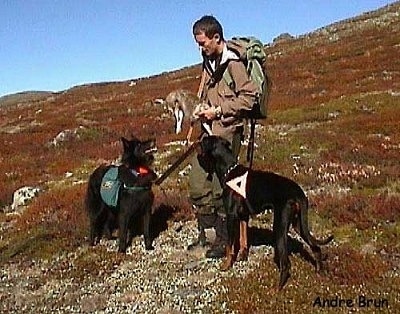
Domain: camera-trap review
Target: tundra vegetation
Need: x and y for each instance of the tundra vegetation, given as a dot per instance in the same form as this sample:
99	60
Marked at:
333	127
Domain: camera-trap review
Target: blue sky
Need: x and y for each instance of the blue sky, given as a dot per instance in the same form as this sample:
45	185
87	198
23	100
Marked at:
54	45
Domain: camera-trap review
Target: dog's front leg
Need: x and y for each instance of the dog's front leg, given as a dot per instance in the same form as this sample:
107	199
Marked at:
148	241
233	233
244	249
229	257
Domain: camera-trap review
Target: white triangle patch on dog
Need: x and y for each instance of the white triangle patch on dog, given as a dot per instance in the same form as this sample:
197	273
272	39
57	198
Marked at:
238	184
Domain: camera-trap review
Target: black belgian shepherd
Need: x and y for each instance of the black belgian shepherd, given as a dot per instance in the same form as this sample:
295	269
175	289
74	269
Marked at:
134	197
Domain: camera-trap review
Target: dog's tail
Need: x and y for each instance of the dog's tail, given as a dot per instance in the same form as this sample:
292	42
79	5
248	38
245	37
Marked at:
302	227
93	199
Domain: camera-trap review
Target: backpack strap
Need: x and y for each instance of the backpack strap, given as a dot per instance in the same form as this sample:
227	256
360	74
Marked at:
228	79
250	146
218	74
200	91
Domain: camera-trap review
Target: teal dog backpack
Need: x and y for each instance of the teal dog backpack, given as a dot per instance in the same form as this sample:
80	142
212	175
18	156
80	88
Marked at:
110	186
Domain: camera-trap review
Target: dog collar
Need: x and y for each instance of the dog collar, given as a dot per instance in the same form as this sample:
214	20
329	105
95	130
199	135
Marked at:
140	171
229	170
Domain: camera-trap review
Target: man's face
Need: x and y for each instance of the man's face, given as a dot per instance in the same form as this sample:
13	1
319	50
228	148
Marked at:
208	46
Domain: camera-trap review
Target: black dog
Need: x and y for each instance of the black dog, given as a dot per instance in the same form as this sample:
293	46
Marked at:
247	192
134	197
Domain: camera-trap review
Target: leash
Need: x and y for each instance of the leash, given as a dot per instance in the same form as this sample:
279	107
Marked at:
180	160
205	130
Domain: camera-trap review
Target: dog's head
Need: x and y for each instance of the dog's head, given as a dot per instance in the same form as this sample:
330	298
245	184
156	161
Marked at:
213	151
138	153
181	103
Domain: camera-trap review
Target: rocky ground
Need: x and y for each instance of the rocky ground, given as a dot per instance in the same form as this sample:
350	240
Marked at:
169	279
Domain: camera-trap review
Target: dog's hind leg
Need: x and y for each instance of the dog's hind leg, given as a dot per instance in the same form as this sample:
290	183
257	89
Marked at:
92	233
301	226
97	224
281	248
94	209
109	224
317	253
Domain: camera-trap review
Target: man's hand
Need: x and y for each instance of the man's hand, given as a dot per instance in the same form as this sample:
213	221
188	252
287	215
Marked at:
197	110
210	113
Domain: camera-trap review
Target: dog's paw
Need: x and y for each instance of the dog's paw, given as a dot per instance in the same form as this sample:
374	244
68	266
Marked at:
321	271
226	265
198	243
284	277
243	255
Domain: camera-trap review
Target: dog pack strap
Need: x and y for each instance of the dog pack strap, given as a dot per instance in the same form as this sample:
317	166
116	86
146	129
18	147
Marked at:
136	188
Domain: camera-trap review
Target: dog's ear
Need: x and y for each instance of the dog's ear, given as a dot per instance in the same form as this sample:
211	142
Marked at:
226	144
153	141
134	138
198	147
207	144
125	143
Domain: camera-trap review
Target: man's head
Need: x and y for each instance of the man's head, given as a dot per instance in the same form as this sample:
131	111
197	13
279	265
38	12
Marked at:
209	35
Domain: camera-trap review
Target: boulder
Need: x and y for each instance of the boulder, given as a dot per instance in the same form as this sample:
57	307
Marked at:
22	196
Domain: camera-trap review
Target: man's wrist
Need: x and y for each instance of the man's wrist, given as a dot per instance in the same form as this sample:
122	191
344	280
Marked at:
218	111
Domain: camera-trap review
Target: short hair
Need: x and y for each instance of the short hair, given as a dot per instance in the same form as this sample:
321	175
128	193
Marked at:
208	25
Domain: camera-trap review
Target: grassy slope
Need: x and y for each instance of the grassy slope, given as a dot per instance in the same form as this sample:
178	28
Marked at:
335	106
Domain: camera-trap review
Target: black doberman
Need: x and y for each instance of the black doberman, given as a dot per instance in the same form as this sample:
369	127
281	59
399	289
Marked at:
248	192
134	195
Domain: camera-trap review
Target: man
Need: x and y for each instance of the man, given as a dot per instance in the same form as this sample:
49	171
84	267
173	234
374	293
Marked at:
223	115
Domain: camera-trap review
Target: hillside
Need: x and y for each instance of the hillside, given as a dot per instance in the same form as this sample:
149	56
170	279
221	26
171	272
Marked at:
24	97
333	127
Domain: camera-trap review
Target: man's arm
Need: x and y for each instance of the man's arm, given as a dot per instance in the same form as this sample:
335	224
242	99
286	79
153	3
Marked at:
246	91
